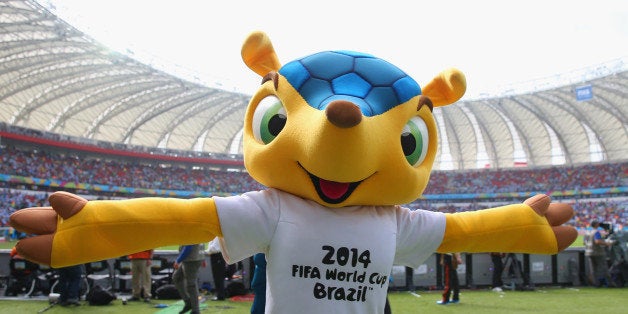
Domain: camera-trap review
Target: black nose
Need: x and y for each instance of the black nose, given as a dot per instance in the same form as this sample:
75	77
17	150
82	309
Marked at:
343	114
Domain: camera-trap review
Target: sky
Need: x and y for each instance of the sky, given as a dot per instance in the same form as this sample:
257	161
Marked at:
497	44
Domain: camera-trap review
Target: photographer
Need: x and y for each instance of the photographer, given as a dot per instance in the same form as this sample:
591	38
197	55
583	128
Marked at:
618	254
595	244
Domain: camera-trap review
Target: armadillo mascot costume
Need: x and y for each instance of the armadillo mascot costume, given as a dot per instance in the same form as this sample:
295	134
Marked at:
340	139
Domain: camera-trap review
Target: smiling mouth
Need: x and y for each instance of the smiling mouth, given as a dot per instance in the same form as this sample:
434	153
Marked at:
332	192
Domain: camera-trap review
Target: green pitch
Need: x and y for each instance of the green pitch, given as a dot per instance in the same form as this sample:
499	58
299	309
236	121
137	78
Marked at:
542	300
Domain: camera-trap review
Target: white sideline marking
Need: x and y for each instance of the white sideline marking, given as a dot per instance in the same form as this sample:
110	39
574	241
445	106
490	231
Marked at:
414	294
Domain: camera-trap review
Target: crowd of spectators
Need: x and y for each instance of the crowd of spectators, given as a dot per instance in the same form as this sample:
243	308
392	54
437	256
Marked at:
614	211
153	175
147	175
12	200
611	210
539	179
56	137
69	167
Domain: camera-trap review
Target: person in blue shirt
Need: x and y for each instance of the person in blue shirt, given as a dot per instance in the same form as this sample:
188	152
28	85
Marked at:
185	275
595	246
258	284
69	283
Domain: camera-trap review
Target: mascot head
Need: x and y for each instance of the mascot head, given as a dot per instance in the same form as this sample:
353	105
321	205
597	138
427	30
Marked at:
341	127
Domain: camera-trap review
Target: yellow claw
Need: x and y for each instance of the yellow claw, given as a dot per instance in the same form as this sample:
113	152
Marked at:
97	230
532	227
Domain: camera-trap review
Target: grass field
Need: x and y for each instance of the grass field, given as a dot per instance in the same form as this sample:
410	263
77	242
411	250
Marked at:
542	300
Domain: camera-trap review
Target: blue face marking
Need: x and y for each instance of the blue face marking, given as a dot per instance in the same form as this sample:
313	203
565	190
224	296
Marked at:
373	84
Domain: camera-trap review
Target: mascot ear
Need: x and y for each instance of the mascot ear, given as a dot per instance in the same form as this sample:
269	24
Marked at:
446	88
259	55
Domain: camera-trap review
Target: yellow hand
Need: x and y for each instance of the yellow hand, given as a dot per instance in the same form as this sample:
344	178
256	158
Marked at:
532	227
75	231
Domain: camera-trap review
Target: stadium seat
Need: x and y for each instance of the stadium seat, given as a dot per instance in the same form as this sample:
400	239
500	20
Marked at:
161	273
99	273
122	273
23	278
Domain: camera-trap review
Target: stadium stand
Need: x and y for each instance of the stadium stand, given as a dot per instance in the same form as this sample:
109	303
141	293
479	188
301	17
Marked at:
28	172
59	80
181	135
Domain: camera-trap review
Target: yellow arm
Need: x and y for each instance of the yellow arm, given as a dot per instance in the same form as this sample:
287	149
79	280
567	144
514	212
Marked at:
513	228
97	230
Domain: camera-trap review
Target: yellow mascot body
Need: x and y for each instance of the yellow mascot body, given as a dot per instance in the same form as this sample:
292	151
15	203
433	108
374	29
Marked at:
340	138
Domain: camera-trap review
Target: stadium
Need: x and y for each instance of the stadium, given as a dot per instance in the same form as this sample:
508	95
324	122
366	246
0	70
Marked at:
78	117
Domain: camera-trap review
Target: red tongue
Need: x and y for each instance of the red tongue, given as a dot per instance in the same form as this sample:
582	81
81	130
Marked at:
333	190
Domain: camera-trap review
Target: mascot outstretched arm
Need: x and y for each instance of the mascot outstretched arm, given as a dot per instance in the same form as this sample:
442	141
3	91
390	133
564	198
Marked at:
340	138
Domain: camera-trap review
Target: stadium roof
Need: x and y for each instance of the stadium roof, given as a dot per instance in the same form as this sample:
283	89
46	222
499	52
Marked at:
56	79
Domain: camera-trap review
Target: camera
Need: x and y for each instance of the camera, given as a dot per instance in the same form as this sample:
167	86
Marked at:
606	226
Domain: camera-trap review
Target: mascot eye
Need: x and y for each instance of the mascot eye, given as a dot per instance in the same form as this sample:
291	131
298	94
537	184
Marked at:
414	141
269	119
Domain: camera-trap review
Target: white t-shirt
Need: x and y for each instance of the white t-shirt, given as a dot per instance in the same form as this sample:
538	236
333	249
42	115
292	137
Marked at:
213	246
325	260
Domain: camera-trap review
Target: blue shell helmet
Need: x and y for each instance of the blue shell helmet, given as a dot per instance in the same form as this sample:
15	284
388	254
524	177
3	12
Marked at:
373	84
